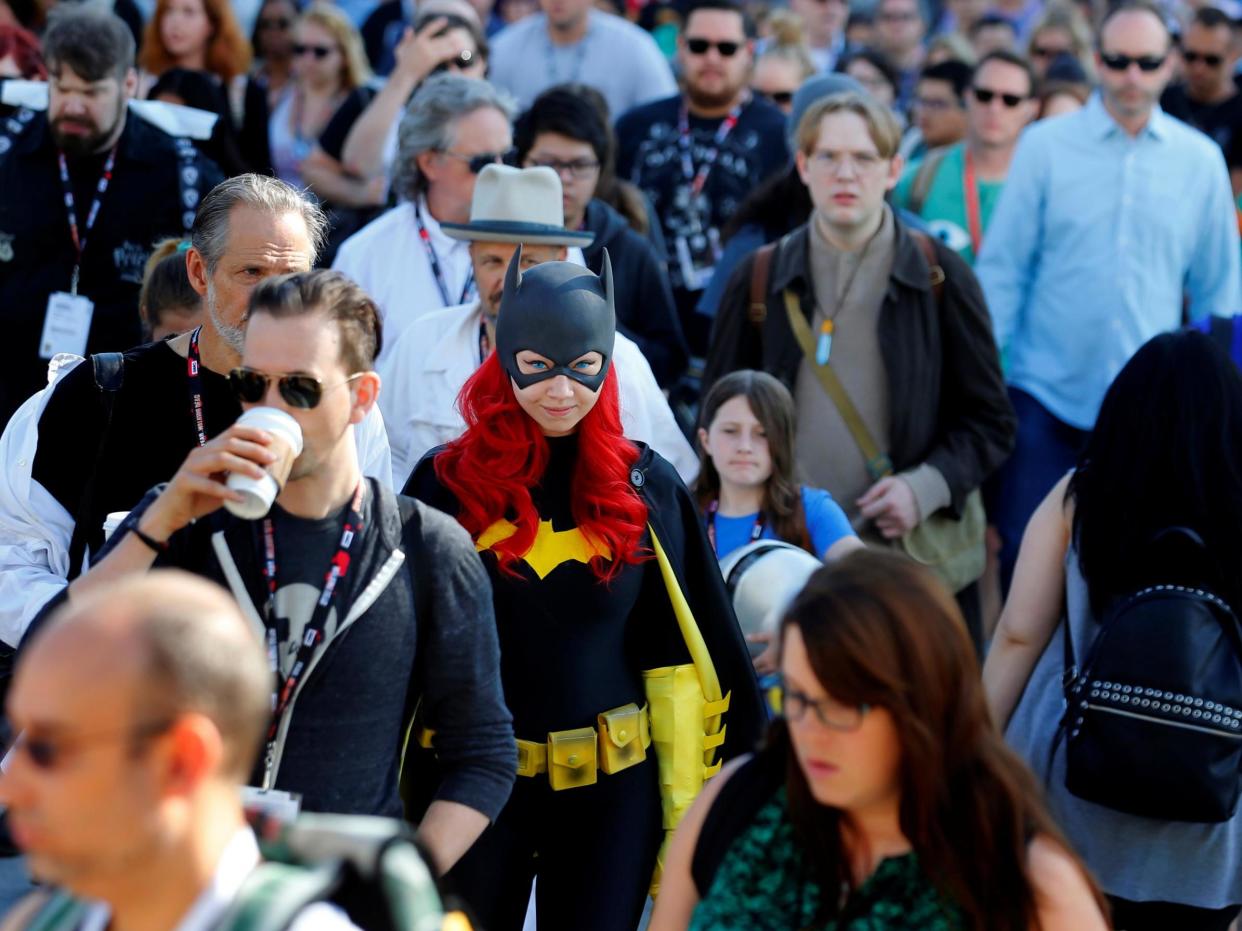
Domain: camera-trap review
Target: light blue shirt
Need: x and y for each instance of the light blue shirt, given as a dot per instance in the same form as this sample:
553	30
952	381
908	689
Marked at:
1095	242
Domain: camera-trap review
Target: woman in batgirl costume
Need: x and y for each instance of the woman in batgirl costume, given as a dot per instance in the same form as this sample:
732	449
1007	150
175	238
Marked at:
622	662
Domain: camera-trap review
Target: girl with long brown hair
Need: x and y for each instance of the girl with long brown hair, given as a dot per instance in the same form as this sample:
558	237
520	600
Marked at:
885	798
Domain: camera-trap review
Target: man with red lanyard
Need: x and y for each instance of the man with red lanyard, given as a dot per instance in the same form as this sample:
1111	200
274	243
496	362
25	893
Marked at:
955	188
369	605
698	155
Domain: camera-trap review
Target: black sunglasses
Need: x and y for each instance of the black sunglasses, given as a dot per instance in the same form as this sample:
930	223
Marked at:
1122	62
1212	61
319	51
1042	51
985	96
459	62
300	391
700	47
477	163
780	98
46	753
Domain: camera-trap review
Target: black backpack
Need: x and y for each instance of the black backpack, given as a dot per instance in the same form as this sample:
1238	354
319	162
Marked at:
1153	719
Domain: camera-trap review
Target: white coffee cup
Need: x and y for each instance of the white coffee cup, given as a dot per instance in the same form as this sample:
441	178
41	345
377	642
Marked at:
259	493
112	521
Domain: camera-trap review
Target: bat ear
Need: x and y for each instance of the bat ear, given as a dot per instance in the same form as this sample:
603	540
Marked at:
607	276
513	276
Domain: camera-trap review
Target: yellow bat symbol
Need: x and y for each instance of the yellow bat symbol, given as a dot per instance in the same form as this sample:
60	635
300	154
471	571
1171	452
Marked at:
551	547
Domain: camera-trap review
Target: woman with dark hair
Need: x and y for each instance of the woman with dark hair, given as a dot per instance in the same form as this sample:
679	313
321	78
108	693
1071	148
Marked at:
746	485
615	630
874	72
1166	452
197	89
272	42
564	132
884	799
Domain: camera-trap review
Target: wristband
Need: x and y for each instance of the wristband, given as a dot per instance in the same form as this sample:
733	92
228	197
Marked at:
150	541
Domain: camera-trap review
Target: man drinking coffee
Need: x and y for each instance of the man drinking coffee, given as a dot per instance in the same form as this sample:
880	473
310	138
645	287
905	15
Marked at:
336	553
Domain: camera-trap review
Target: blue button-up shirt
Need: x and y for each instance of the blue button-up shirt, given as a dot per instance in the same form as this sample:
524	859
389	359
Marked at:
1097	239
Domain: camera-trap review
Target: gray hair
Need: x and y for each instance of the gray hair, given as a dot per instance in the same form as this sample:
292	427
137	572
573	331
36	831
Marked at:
210	233
430	121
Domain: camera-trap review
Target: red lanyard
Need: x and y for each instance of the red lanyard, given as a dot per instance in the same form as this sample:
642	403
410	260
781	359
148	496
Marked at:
79	239
756	532
313	633
972	205
436	268
192	368
699	179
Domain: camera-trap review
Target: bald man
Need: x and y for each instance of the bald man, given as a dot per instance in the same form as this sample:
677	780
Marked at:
140	709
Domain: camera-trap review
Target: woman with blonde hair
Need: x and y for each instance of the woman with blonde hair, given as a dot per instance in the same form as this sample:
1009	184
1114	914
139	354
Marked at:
1062	29
328	64
785	61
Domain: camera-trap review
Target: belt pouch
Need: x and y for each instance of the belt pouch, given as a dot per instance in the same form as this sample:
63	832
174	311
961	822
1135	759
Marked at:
621	743
571	758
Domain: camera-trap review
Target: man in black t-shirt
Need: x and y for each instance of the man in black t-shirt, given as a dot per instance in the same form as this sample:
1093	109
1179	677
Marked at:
1208	97
369	604
698	155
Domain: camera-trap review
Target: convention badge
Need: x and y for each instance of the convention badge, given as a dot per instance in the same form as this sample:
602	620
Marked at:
66	325
272	803
697	255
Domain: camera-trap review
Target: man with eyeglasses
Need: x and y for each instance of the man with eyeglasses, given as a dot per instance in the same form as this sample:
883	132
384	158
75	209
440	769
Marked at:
453	126
699	154
939	110
899	33
824	22
1208	98
1115	222
956	188
369	605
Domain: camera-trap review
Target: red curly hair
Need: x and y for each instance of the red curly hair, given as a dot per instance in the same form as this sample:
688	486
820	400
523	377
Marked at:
502	454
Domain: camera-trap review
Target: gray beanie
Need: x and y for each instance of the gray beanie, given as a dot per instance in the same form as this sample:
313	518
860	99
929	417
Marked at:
817	88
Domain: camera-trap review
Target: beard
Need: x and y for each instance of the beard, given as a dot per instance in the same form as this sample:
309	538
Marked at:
233	336
711	100
92	138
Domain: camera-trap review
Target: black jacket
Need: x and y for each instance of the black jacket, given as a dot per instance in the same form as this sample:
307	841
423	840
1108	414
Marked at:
949	405
644	299
143	204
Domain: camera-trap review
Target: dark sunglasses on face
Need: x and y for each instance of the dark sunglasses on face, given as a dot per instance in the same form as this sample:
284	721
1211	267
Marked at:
46	753
281	23
985	96
477	163
780	98
459	62
319	51
300	391
700	47
1043	51
1123	62
1212	61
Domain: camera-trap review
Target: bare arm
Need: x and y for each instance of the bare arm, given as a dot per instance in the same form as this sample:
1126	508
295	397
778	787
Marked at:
448	829
329	180
1064	899
1035	604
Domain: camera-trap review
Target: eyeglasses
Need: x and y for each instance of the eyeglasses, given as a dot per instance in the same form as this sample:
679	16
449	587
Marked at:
1044	51
319	51
700	47
1123	62
477	163
301	391
281	23
46	753
985	97
459	62
828	711
935	103
1212	61
578	168
834	162
780	98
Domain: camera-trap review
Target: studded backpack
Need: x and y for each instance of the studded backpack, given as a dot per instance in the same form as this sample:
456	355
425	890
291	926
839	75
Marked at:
1153	717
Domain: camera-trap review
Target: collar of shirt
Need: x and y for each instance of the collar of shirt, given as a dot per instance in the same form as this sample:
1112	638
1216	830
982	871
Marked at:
1103	125
237	862
542	20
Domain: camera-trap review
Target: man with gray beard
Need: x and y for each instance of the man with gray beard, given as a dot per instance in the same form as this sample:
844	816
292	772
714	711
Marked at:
102	434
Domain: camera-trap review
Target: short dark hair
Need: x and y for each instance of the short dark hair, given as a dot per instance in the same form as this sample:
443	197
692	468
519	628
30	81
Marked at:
94	42
877	60
991	19
1211	17
560	111
331	292
955	73
727	6
1010	58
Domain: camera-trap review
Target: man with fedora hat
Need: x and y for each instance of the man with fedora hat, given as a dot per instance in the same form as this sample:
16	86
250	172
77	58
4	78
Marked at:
431	360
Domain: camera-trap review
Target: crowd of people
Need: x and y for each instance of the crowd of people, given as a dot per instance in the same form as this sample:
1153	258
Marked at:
395	396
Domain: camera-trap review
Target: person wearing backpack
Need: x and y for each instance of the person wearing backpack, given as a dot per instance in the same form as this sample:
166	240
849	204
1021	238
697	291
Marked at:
1136	722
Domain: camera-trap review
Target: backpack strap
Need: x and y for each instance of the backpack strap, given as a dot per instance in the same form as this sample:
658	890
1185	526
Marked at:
760	273
275	893
109	371
928	248
923	178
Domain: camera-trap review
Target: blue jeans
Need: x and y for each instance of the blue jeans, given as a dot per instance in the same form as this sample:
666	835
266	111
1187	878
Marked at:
1045	450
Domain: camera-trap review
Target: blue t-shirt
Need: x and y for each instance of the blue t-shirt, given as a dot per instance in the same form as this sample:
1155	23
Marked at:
825	522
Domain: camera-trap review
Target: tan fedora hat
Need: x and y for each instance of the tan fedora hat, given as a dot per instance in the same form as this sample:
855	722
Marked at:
520	205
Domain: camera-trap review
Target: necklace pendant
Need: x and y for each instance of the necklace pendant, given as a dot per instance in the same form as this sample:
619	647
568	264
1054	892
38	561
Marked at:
823	348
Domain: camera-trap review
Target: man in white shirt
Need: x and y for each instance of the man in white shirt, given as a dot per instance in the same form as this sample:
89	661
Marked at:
427	367
451	128
571	41
140	710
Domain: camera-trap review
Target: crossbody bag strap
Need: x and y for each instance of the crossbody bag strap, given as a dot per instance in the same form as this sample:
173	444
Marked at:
878	463
109	372
760	274
935	269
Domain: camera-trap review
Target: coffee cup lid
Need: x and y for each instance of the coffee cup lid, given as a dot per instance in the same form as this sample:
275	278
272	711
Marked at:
276	421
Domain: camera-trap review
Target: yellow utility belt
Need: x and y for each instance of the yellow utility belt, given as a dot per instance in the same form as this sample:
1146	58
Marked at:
575	757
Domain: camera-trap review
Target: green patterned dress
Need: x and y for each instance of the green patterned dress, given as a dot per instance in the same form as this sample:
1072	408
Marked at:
762	885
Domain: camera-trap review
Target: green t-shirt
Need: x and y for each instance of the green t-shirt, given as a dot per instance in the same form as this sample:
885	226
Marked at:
944	207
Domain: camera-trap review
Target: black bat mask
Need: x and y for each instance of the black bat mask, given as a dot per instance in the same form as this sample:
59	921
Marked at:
561	311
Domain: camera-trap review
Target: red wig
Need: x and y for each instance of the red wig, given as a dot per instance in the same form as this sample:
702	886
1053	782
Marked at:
502	454
23	46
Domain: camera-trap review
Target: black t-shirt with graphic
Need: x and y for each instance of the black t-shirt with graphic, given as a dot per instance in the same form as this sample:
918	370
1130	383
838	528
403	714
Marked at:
650	153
